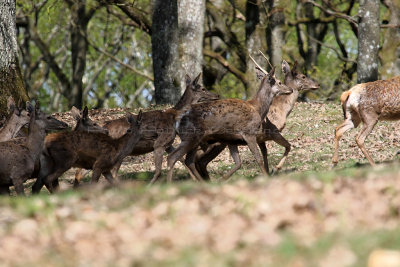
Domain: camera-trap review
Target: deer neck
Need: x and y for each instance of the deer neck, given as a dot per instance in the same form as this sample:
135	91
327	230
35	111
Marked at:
262	100
10	129
125	145
282	106
183	102
35	140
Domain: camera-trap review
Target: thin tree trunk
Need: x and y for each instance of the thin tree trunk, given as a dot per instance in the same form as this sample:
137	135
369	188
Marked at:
165	42
11	80
191	32
368	41
276	32
390	53
255	41
79	48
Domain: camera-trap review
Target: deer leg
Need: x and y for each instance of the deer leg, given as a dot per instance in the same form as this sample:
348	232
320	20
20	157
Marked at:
252	144
207	157
79	174
115	169
233	149
360	139
95	175
279	139
178	153
190	163
19	188
264	153
339	131
158	157
109	177
48	181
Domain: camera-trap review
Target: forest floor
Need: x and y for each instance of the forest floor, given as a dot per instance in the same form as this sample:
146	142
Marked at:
307	215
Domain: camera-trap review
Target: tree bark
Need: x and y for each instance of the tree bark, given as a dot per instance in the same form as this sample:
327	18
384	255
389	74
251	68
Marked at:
191	33
79	47
276	32
255	41
11	80
368	41
165	43
390	53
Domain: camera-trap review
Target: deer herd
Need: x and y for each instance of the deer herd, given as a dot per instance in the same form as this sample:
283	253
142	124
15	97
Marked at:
205	124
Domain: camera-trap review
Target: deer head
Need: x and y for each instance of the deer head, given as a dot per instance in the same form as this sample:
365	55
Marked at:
297	80
277	87
18	115
84	123
134	124
199	93
44	121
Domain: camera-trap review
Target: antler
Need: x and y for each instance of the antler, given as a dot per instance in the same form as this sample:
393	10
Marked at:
266	58
258	66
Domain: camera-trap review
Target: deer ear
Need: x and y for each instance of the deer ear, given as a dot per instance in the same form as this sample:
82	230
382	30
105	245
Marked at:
139	118
272	72
85	112
29	107
285	67
294	69
20	104
10	104
187	80
75	113
196	80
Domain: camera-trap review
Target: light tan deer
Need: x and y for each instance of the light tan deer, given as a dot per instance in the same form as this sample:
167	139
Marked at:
279	110
17	159
158	126
368	103
225	120
17	119
96	151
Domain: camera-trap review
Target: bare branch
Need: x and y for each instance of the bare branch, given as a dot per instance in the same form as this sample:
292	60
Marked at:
334	49
147	76
221	60
329	11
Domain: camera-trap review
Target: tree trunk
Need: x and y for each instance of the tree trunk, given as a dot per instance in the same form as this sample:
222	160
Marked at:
79	48
11	80
368	41
255	41
165	42
191	32
390	53
276	32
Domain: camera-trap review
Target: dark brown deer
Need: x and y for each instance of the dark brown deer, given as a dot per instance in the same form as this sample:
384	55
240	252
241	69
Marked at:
96	151
158	126
225	120
368	103
279	110
17	159
17	119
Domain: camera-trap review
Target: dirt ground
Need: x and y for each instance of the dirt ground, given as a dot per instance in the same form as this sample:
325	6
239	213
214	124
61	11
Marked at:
306	215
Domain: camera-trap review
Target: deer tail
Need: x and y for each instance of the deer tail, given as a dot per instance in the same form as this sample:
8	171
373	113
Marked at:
343	99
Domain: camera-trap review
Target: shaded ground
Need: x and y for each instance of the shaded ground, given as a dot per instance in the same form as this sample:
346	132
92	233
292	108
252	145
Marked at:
307	215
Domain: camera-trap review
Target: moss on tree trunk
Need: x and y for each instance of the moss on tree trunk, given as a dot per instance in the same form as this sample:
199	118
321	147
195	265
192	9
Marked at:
11	81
